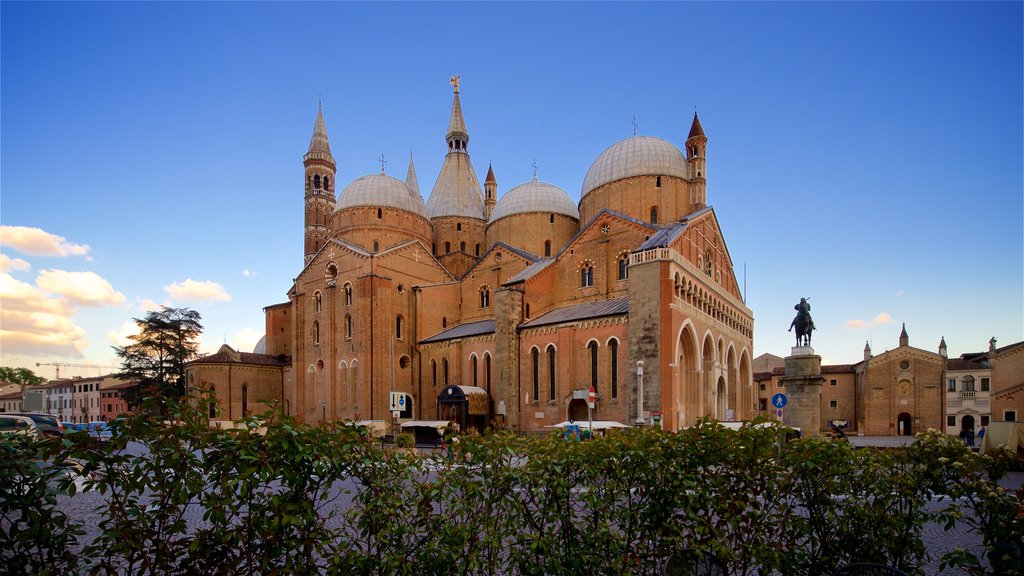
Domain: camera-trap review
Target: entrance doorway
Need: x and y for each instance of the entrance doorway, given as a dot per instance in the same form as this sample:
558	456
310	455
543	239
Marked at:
967	423
578	410
903	425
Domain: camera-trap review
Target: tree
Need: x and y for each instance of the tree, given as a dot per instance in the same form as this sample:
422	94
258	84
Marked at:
157	355
22	376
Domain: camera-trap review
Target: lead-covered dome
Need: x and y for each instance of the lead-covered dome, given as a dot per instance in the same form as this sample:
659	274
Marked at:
380	190
636	156
535	196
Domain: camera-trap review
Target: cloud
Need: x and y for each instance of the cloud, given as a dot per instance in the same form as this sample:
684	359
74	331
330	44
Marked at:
7	264
882	318
248	273
82	288
38	242
246	339
35	323
191	290
147	305
122	335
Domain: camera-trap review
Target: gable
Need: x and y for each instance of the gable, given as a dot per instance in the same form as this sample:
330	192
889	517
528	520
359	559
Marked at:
700	238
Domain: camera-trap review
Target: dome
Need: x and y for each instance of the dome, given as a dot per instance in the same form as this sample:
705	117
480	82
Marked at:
535	196
636	156
380	190
261	346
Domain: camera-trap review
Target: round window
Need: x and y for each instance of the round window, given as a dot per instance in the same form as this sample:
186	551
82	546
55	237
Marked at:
904	365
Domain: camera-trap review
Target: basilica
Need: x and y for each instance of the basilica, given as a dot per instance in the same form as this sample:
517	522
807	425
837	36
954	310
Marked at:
507	307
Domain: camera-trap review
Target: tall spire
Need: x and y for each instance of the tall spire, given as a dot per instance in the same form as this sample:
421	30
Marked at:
319	143
904	338
410	177
457	136
695	127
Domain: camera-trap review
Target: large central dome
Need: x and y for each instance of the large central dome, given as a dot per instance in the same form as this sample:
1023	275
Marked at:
535	196
380	190
636	156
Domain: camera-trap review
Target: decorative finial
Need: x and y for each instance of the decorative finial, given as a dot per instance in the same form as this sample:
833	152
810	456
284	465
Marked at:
634	124
382	162
454	81
534	164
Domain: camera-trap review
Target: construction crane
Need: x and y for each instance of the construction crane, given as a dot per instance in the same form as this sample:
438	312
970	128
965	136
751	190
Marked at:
57	366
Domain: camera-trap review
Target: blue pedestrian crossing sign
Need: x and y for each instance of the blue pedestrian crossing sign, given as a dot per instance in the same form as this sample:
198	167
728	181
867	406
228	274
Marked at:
779	400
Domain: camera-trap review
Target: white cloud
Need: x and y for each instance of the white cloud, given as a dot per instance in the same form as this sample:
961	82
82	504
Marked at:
7	264
881	318
82	288
147	305
246	339
122	335
38	242
248	273
35	323
191	290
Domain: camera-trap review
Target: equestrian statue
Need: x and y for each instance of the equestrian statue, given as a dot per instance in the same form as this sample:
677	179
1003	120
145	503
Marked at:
803	323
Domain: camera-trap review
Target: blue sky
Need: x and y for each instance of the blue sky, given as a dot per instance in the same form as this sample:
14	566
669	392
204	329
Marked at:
865	155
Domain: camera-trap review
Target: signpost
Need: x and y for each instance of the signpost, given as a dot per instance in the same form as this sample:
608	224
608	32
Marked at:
591	399
779	402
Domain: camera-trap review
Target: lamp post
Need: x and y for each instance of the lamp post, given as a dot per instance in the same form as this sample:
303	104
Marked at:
639	392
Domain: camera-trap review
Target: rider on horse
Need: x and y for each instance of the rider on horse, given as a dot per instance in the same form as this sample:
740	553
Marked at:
803	322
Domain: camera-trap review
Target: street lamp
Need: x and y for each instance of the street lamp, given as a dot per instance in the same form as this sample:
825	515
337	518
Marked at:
640	393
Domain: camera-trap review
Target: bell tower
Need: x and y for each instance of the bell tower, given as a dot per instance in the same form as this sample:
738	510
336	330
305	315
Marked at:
319	186
696	148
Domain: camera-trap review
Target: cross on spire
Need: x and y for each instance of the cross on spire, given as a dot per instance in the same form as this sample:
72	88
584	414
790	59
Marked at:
383	162
634	124
534	164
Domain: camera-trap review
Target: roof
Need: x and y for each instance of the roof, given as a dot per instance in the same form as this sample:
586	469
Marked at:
529	271
457	191
613	307
228	355
462	331
457	124
380	190
412	182
967	364
695	128
490	175
636	156
121	386
319	146
16	395
535	196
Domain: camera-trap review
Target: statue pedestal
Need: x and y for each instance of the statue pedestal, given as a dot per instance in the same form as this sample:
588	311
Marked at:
802	381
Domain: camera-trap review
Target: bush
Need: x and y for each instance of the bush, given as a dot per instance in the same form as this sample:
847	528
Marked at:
276	497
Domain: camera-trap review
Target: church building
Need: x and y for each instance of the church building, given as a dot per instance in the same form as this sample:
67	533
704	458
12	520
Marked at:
504	309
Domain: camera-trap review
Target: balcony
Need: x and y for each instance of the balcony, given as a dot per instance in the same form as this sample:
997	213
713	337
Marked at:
967	395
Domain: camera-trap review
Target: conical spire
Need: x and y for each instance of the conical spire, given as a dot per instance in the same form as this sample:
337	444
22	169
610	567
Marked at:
490	175
695	128
457	136
410	178
319	142
904	338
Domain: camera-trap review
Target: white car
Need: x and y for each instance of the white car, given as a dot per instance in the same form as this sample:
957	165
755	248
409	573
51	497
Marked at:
11	424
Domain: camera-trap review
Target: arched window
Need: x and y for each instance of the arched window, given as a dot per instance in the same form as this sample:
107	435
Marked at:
593	365
444	322
587	276
487	373
967	384
316	181
213	409
245	400
348	294
433	373
398	327
380	214
458	226
551	218
376	246
485	297
654	215
527	310
547	247
657	182
327	182
348	327
551	372
447	247
316	332
444	370
535	358
318	301
613	354
478	249
472	363
623	268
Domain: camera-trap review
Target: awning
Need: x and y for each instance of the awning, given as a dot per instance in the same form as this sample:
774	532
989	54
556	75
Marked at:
598	424
476	398
376	427
439	425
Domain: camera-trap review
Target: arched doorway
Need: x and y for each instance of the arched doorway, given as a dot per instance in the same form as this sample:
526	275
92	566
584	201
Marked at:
967	423
721	400
903	425
577	410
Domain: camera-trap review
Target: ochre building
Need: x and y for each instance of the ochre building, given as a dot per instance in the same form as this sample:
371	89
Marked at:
504	309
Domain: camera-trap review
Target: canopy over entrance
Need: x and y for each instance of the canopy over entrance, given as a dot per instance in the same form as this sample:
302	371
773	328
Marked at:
464	405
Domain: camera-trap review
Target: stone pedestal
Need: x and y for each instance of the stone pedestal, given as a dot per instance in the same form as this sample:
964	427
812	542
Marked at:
802	382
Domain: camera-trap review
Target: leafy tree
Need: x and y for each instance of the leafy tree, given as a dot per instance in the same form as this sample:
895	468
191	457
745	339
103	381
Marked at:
157	355
22	376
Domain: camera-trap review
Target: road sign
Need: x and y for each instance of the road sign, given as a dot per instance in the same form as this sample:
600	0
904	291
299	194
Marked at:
779	412
397	401
779	400
592	396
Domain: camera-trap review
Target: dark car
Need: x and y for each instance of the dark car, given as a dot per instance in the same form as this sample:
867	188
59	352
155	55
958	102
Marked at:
49	425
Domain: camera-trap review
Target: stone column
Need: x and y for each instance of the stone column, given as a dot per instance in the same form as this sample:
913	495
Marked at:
802	382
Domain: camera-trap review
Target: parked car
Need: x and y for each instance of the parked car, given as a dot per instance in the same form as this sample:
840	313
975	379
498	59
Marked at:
50	425
11	424
99	431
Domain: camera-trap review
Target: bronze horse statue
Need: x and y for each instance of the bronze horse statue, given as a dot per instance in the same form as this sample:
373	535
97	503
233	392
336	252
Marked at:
803	323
